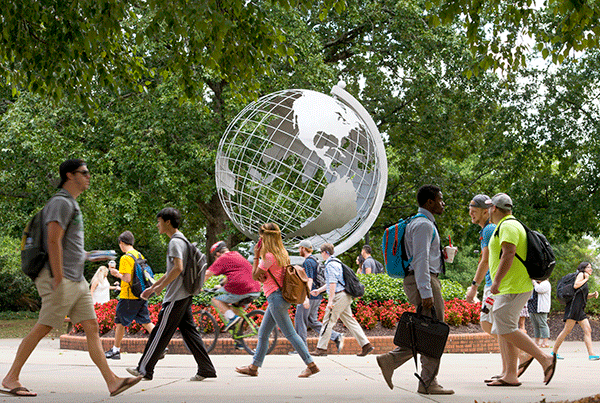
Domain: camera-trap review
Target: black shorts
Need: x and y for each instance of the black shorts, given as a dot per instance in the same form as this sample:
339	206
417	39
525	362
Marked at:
129	310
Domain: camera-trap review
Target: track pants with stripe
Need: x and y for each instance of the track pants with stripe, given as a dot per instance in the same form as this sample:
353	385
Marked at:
173	315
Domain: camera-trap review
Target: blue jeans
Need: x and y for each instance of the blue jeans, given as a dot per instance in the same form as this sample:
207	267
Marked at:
277	314
310	317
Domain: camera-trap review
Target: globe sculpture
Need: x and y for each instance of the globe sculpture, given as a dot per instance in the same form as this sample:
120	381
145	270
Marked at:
312	163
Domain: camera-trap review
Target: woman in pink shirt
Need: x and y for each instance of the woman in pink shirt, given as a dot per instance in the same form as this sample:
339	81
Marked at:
270	258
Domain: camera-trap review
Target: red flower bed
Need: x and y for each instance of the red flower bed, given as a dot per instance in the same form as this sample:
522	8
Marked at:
457	312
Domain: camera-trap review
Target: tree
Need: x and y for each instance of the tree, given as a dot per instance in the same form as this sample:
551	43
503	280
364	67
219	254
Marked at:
63	49
502	33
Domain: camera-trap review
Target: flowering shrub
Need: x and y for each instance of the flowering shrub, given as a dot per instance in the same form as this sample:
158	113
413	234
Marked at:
365	315
460	312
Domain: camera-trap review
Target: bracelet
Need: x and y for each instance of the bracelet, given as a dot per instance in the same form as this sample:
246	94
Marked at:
474	283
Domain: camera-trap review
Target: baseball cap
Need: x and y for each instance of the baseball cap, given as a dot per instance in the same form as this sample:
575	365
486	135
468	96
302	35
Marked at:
305	244
501	200
217	246
480	201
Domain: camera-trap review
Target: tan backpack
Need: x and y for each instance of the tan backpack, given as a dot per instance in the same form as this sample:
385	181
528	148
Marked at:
295	284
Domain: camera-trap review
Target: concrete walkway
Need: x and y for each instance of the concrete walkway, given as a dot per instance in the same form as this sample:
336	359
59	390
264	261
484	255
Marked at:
70	376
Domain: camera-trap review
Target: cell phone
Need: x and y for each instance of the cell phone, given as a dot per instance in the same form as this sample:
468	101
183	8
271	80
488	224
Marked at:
259	244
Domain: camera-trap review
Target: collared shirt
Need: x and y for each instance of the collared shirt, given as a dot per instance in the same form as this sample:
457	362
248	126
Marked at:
334	273
484	238
426	254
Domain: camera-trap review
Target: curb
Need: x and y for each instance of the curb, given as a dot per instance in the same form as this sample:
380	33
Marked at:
467	343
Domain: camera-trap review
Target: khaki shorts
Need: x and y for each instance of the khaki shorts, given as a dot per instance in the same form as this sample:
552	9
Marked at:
71	298
507	308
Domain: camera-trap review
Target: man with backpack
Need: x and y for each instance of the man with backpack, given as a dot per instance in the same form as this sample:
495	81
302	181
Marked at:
176	311
338	305
307	314
422	285
130	307
370	265
61	285
512	287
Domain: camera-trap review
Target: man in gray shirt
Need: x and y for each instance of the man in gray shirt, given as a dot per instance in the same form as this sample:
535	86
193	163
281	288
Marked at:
61	285
422	285
176	311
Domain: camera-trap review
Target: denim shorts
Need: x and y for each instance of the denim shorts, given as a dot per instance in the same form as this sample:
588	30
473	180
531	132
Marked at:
229	298
129	310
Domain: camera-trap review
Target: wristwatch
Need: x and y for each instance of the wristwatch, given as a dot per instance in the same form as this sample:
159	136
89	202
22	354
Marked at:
474	283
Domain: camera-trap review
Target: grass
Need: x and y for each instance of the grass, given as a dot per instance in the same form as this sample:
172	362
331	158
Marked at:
16	325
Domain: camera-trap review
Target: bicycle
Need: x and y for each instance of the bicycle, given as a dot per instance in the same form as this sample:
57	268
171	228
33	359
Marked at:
210	330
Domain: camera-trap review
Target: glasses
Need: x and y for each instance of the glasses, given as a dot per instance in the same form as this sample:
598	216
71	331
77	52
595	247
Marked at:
84	172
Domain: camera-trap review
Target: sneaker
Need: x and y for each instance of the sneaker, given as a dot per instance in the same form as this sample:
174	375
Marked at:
135	372
231	323
166	350
239	346
293	352
593	358
113	355
339	342
558	356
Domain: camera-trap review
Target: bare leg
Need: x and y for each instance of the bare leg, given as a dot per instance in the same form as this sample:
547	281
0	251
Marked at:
221	306
510	356
90	327
148	326
563	334
28	344
520	340
119	333
487	327
587	335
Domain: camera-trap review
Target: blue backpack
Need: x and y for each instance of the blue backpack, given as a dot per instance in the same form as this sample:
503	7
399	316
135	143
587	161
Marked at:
395	258
142	276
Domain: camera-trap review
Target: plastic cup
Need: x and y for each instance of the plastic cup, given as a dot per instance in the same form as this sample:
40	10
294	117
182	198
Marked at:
449	253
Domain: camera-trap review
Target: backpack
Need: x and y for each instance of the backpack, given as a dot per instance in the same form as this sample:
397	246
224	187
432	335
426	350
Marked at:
395	257
540	260
565	288
379	269
320	278
195	268
33	250
142	276
295	284
352	284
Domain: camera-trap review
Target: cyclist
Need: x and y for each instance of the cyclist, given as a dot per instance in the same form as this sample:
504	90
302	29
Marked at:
238	284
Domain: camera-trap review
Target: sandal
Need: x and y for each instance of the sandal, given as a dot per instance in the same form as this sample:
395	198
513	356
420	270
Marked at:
523	367
310	370
249	370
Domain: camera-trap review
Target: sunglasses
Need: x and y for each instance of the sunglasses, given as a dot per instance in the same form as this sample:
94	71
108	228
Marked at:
84	172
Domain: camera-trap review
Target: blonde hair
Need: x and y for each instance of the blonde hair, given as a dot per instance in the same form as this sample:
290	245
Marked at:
273	243
100	273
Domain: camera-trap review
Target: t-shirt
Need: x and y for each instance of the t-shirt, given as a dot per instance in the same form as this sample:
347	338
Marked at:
484	237
311	267
238	271
126	267
517	280
269	263
175	290
369	263
65	211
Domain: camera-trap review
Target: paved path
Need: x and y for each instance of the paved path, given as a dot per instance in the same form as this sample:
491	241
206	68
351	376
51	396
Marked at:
69	376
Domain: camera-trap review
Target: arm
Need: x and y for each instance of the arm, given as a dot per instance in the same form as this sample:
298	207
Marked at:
93	286
543	287
165	280
581	279
331	295
421	236
508	254
55	251
126	277
482	269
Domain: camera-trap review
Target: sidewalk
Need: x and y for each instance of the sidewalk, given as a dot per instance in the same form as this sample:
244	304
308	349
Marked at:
70	376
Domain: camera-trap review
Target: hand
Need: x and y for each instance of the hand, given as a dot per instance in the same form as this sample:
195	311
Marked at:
147	293
314	293
471	292
427	303
56	282
495	288
596	295
330	304
114	272
306	303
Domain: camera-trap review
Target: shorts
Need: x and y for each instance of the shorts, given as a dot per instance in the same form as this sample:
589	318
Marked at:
129	310
71	298
229	298
507	308
487	296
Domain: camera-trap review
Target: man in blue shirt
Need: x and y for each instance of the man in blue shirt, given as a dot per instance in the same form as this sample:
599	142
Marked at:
422	285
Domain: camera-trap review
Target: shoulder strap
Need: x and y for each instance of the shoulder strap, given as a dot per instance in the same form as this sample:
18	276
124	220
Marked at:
497	234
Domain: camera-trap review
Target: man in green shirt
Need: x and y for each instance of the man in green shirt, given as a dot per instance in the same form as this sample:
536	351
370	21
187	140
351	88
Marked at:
512	287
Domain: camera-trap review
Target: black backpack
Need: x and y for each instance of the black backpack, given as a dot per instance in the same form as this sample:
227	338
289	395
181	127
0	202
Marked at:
352	286
379	268
33	250
540	260
195	268
565	288
142	276
320	278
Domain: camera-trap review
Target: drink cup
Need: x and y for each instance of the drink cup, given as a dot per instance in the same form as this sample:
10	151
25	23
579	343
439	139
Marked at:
449	253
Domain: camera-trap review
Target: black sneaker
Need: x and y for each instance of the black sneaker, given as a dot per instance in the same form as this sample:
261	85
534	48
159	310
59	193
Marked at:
113	355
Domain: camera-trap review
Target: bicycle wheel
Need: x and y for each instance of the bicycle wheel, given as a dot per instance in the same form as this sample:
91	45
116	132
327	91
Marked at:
249	329
208	328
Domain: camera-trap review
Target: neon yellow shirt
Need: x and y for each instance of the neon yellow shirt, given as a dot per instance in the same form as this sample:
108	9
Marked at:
126	267
517	280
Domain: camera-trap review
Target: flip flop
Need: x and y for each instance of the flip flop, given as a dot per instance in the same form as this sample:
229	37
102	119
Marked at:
15	392
502	382
550	370
523	367
126	384
493	378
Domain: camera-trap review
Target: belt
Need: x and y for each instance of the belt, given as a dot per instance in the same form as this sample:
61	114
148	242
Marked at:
412	273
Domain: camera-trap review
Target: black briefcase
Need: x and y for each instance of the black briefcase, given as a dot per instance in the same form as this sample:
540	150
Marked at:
423	334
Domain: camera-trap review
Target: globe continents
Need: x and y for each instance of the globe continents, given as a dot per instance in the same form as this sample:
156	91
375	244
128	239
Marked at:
311	163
